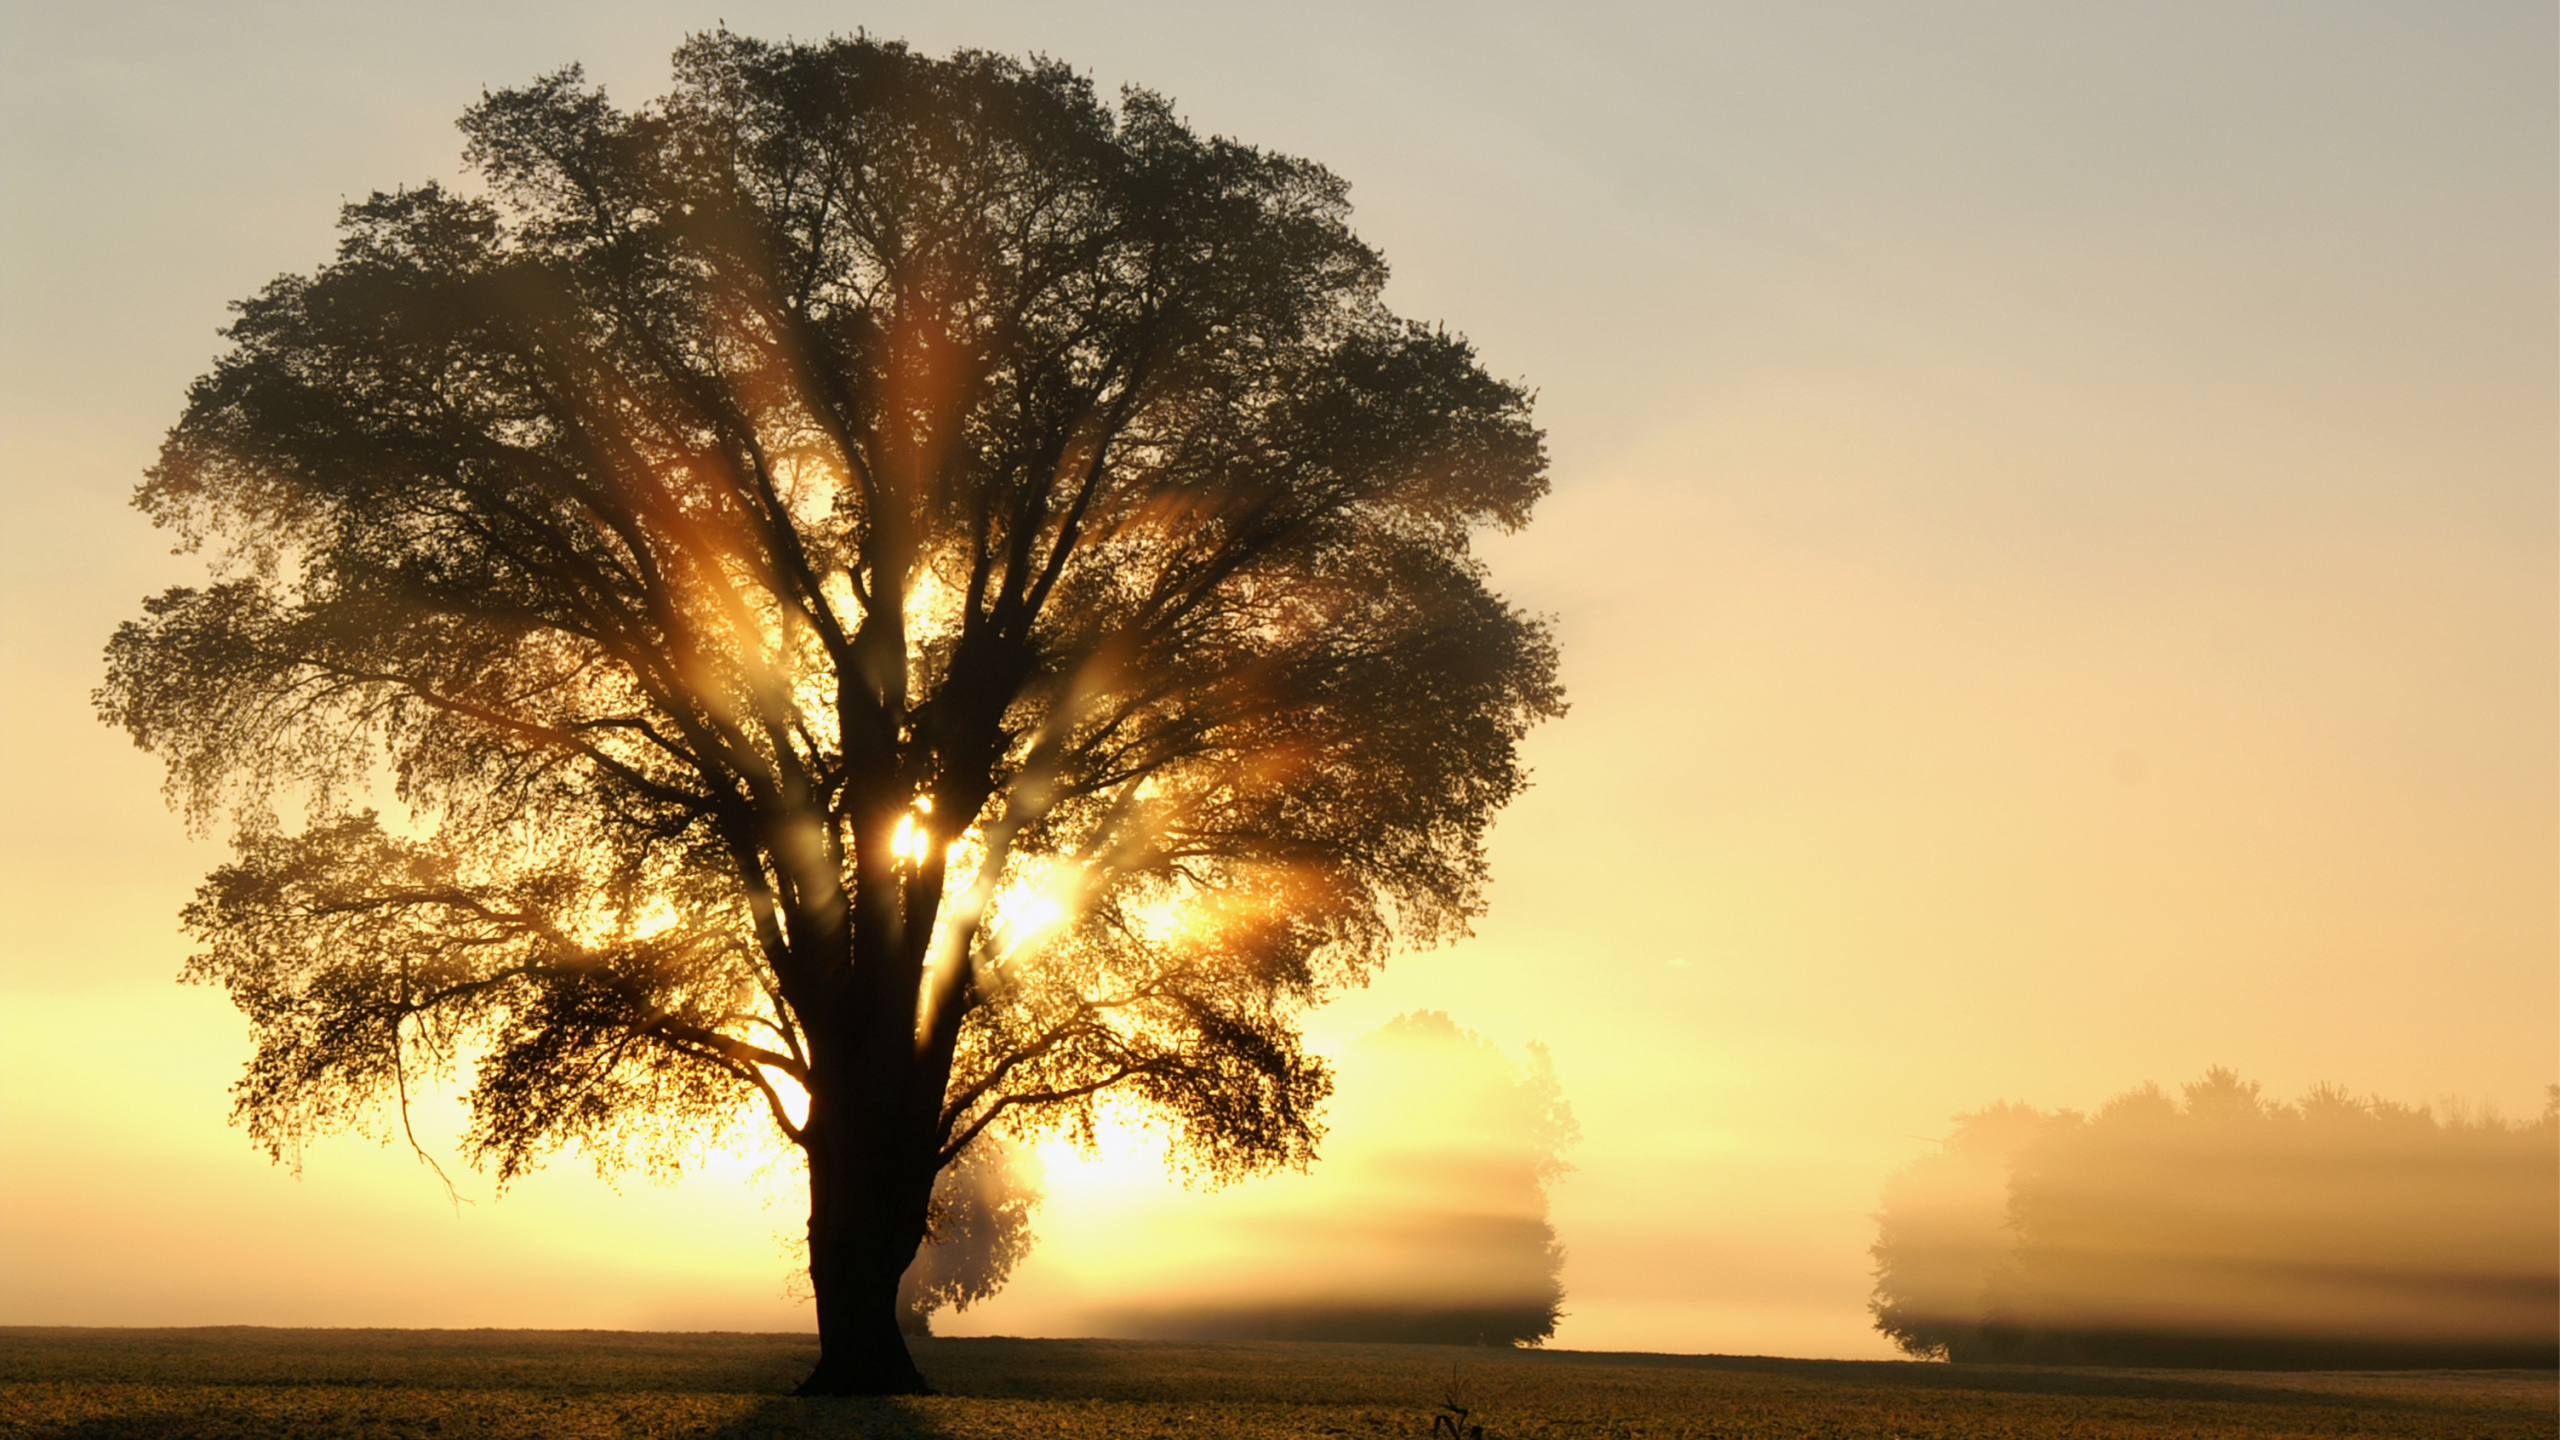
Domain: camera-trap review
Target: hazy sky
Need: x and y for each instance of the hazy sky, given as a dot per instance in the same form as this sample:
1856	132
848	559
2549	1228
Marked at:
2053	546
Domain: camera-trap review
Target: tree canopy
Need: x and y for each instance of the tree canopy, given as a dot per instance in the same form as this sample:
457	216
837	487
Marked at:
873	578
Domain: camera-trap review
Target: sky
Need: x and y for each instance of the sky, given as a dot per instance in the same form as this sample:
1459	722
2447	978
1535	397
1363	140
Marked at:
2053	551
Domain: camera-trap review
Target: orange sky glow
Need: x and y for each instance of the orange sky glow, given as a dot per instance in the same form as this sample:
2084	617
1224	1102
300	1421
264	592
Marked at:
2053	552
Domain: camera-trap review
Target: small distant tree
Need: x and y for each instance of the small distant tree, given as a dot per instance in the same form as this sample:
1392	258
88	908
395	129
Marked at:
880	581
976	1230
1429	1223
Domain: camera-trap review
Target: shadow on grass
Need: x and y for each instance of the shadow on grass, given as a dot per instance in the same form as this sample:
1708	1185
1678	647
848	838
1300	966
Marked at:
344	1413
786	1418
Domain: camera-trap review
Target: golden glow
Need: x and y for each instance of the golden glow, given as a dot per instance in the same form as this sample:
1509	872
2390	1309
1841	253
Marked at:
654	917
911	843
1907	481
795	1099
1031	920
932	608
1432	1149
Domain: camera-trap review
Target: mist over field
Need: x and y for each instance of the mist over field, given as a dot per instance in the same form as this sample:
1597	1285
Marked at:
1425	1219
2228	1229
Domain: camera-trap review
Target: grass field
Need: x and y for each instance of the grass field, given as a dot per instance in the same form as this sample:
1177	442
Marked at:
464	1384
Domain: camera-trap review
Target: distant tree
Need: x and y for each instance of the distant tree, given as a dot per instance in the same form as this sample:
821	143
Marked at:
1428	1224
976	1230
2229	1231
875	579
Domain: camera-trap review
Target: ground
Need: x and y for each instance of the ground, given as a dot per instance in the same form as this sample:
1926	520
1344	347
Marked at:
466	1384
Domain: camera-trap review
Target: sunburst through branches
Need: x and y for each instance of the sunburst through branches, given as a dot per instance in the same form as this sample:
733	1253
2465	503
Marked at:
894	590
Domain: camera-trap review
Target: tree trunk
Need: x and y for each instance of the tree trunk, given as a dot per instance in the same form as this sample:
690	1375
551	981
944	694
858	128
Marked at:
861	1241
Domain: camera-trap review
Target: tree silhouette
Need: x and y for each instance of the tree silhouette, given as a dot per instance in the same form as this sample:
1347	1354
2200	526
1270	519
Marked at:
1944	1229
876	579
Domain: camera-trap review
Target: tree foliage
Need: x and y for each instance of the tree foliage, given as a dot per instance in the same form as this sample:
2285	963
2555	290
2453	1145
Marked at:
873	575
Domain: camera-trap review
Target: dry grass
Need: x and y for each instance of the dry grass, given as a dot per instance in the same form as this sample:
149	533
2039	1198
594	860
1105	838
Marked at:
461	1385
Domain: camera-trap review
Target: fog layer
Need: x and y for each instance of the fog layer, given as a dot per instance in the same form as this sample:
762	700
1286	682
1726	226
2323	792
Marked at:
2228	1229
1424	1220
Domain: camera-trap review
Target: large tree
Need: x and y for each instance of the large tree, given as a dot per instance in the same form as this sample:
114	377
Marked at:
877	583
